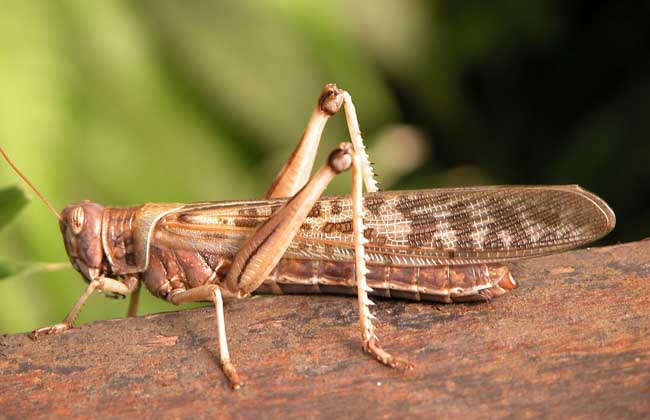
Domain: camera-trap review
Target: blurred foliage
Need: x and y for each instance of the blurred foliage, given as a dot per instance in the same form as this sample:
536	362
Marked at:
13	269
13	199
130	102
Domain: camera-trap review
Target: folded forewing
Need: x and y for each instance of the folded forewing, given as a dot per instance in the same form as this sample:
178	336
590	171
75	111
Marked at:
413	228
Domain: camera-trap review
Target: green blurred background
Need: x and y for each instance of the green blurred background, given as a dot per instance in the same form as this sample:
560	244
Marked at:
130	102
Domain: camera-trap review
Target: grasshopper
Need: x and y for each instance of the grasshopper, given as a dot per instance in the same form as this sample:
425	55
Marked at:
440	245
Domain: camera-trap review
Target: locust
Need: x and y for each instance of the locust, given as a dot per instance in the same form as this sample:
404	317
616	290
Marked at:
437	245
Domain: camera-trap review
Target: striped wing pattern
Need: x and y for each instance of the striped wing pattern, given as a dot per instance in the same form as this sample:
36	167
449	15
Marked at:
415	228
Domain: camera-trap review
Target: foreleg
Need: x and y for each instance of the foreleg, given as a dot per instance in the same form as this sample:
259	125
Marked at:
100	283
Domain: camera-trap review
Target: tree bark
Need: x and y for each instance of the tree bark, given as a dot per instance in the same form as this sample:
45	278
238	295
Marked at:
572	341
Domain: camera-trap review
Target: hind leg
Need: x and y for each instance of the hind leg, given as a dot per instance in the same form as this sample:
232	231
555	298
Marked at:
295	173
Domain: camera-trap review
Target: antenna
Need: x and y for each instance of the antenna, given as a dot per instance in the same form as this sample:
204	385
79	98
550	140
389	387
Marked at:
28	182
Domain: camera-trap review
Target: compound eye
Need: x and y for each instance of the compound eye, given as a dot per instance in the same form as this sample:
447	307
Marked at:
77	220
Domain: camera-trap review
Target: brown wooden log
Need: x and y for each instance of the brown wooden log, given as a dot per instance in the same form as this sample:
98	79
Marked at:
572	341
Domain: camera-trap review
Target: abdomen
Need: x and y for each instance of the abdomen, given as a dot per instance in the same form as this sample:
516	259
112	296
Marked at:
174	271
446	284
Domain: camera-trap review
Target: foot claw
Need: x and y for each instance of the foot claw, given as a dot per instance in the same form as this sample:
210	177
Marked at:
231	374
399	363
52	329
372	347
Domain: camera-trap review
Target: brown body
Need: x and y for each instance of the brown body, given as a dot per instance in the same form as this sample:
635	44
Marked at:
171	271
443	258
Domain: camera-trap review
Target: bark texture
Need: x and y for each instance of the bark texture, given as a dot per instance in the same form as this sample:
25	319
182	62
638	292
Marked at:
572	341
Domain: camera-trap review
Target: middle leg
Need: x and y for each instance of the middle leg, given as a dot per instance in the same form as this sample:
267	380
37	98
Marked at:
212	292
